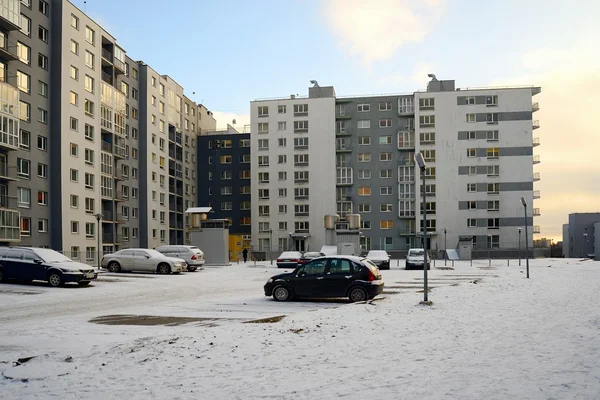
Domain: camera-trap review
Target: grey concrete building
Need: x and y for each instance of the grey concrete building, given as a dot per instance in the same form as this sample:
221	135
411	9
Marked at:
581	236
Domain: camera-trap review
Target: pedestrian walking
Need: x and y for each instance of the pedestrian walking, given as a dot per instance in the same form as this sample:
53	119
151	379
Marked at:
245	254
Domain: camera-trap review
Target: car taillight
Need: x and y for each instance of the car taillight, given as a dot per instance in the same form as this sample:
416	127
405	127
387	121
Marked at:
194	257
372	276
278	260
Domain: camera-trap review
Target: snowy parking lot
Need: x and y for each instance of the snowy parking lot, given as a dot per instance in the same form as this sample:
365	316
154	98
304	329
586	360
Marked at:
490	333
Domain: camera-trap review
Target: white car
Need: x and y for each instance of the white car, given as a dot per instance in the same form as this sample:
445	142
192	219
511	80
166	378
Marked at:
416	258
289	259
381	258
142	260
193	256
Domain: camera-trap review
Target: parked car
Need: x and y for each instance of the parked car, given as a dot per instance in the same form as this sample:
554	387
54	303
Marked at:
380	258
142	260
38	264
310	255
332	276
289	259
415	258
193	256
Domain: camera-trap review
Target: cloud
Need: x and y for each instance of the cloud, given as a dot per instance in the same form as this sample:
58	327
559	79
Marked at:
376	30
418	77
569	168
224	118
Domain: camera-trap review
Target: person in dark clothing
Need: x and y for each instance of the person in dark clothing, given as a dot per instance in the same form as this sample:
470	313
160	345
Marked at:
245	254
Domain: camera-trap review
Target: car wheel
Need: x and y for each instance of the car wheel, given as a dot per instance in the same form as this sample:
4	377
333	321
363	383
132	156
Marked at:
191	269
281	293
83	283
114	266
164	269
357	294
55	279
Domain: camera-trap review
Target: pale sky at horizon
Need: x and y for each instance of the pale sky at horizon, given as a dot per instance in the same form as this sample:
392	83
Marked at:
231	52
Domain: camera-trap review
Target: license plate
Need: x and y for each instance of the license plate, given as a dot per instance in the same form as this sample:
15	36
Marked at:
90	276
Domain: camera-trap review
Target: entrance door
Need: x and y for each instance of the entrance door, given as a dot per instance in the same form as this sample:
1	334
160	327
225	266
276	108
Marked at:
300	245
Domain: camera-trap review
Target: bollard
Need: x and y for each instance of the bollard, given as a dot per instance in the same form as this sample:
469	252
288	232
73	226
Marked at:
471	262
508	262
434	263
452	263
398	263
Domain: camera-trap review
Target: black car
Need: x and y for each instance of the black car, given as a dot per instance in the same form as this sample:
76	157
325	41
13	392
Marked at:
37	264
334	276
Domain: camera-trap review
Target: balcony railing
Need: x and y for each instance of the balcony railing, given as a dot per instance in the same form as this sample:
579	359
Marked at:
536	159
536	176
343	114
8	50
407	231
107	78
343	147
119	175
107	55
536	141
120	196
535	107
8	202
536	194
8	172
106	146
407	213
536	229
536	212
119	65
10	231
535	124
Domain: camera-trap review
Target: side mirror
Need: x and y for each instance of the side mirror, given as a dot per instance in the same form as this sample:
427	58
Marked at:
38	261
147	256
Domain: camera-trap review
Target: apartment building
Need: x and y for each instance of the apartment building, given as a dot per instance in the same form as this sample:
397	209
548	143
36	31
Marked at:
224	182
478	145
85	129
292	170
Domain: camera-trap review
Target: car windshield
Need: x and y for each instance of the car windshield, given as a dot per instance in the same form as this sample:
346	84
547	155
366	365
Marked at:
415	253
291	254
52	256
377	253
312	254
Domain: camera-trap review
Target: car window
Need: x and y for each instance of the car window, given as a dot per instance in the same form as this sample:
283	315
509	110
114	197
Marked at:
339	266
29	255
14	254
127	253
316	267
3	251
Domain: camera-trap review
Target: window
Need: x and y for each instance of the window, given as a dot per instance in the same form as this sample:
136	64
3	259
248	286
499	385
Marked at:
263	161
472	135
263	194
493	170
429	155
300	176
89	156
385	123
472	170
282	175
471	152
491	101
300	110
493	223
471	117
42	143
364	140
301	226
43	7
90	230
385	106
24	53
25	25
281	109
470	100
301	210
492	153
363	124
364	208
300	160
385	156
23	168
301	143
74	98
25	226
89	132
74	47
385	173
90	35
427	104
386	207
385	140
364	157
263	211
24	111
161	89
300	193
364	174
263	144
385	190
492	118
300	126
245	174
89	84
24	139
281	159
385	225
225	159
74	175
263	227
263	177
42	89
75	227
226	206
89	180
493	188
74	73
492	136
243	142
364	191
74	124
363	107
472	205
244	159
88	107
471	187
430	173
472	223
74	22
263	111
263	127
427	121
23	198
281	126
23	82
42	170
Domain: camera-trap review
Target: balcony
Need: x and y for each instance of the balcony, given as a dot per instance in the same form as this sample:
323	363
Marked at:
9	15
536	159
10	230
536	212
343	131
8	172
119	175
107	78
407	231
8	50
407	214
536	194
536	229
8	203
120	196
406	106
119	66
343	114
536	176
107	57
120	152
535	107
535	124
536	141
343	147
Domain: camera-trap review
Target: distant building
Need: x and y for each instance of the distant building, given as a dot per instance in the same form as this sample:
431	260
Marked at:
581	236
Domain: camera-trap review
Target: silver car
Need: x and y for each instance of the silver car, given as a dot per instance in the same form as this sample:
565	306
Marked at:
193	256
142	260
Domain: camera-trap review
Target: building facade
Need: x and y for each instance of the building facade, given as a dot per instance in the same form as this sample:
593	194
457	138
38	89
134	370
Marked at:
293	171
224	183
581	236
79	144
478	145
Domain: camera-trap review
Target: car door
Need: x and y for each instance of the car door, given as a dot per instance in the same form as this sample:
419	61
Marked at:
127	260
143	261
309	279
338	277
12	264
34	270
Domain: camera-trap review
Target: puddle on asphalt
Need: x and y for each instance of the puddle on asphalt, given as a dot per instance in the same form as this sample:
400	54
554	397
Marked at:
152	320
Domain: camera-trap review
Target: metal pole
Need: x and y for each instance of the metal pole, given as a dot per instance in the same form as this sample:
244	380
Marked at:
489	250
98	241
424	235
519	247
271	245
445	247
526	242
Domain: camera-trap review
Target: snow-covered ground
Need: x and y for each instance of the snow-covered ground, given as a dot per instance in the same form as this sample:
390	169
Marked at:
490	334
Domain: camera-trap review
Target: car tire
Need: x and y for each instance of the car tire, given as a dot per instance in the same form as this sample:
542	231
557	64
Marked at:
55	279
163	269
114	266
282	293
357	294
83	283
191	269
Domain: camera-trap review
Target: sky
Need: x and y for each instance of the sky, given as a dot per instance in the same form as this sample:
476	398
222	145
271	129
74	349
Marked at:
231	52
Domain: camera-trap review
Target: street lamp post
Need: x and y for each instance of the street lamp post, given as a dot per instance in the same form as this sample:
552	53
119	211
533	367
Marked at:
422	165
271	245
98	218
524	202
585	235
445	247
519	229
489	237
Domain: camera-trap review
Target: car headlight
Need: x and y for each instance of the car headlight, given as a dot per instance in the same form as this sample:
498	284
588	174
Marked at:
270	280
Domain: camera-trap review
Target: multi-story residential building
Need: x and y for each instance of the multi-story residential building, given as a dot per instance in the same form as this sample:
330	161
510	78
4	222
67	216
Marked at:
581	236
477	143
224	182
292	170
84	130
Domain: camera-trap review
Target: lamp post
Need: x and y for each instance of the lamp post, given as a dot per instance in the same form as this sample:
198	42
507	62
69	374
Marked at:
489	237
585	235
271	245
524	202
519	229
422	165
445	247
98	218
